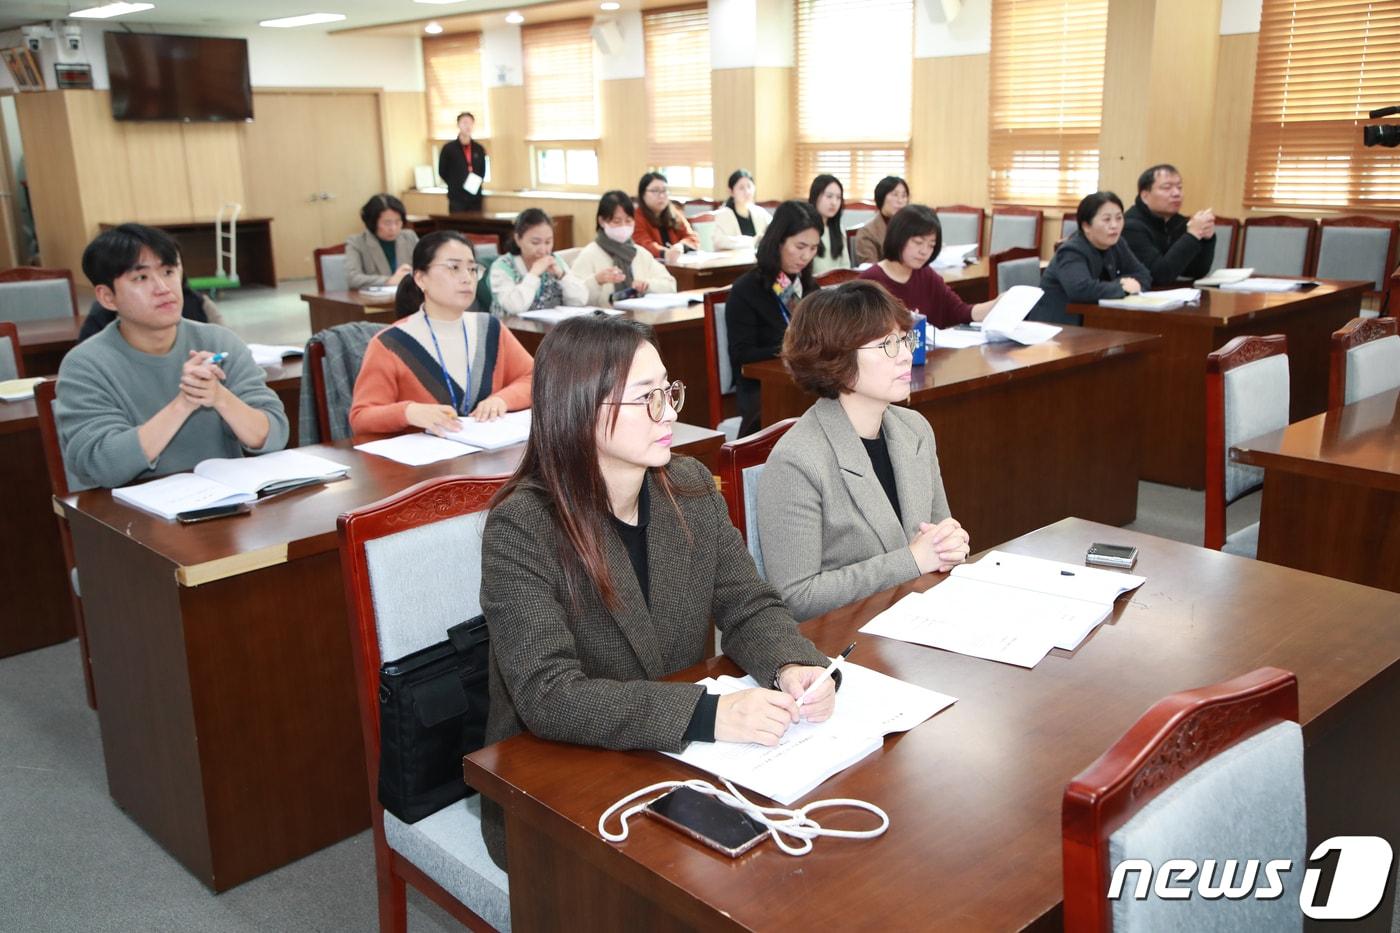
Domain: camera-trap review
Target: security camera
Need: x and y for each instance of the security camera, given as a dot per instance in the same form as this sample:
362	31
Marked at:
73	38
33	36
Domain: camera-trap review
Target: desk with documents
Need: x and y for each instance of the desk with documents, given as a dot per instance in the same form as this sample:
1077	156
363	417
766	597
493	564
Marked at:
973	794
221	662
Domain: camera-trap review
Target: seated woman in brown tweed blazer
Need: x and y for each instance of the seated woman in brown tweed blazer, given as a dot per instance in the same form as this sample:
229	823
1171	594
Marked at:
603	560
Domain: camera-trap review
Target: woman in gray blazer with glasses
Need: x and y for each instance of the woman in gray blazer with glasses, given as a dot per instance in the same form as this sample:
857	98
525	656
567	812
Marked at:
851	501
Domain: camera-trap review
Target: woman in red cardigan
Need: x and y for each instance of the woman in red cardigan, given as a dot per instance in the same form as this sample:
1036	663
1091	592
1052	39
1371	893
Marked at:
661	225
440	363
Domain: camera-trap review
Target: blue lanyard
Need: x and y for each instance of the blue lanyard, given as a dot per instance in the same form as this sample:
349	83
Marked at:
446	378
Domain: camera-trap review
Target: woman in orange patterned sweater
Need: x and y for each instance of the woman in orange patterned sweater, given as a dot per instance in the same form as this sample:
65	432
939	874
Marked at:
440	363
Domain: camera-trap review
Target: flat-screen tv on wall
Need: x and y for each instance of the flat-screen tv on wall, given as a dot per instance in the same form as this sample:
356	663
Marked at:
187	78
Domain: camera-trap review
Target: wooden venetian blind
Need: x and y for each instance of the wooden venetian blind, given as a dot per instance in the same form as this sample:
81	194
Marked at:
1322	65
678	86
854	90
1046	100
452	72
561	86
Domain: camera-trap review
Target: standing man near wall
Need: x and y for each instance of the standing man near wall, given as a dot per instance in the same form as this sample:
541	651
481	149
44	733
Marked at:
462	165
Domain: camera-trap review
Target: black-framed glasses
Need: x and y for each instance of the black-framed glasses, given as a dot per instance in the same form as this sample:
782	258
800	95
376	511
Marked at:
656	400
891	344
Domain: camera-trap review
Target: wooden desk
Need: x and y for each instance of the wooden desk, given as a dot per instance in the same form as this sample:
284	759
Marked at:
502	225
327	309
43	343
200	254
717	272
973	794
1026	435
1173	412
229	723
1332	492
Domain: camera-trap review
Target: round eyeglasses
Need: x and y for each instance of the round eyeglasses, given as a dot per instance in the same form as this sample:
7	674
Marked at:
656	400
891	344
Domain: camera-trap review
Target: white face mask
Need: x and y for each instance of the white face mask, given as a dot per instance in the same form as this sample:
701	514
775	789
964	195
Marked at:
620	234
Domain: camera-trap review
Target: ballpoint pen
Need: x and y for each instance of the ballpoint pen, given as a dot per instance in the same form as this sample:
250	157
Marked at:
831	669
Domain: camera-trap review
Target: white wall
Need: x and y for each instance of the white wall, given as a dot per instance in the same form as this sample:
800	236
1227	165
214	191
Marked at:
1240	16
502	58
751	33
629	61
970	32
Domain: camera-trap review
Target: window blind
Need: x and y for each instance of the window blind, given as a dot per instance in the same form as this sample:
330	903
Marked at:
1046	100
561	86
452	72
853	122
678	85
1322	65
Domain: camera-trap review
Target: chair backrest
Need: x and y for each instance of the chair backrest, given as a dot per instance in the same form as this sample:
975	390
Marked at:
835	277
487	247
569	255
851	243
28	293
1069	223
61	481
704	227
316	365
1246	395
769	206
332	362
740	465
11	359
1016	226
696	206
1227	241
1018	266
330	268
1278	245
855	213
717	353
1211	773
1357	249
1365	360
962	223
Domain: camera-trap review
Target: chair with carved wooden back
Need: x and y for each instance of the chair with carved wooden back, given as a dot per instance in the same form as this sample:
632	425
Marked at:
1279	245
1358	249
64	483
1016	226
722	374
1227	241
835	277
1365	360
1246	395
1213	775
962	224
740	465
11	357
704	226
399	602
1069	224
28	293
1010	267
330	268
697	206
856	213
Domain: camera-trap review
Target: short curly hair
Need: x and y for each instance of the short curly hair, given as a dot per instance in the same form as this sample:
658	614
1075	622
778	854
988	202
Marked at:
819	348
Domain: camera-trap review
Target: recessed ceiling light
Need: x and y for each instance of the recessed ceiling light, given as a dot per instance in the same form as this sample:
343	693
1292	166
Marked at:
108	10
305	19
610	6
515	18
433	29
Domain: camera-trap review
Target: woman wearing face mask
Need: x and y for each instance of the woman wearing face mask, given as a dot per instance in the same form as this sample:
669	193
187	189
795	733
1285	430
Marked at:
662	229
851	501
740	222
442	363
915	237
1093	263
529	276
613	262
829	198
761	300
891	197
604	559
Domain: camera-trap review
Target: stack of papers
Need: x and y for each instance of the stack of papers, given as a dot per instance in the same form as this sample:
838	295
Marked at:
1006	321
1166	300
17	390
555	315
229	482
416	449
383	291
266	354
1221	276
701	256
956	256
869	706
653	302
1007	607
512	428
1265	285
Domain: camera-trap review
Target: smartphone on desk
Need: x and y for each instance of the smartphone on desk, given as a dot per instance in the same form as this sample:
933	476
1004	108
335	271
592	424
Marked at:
1118	556
622	294
707	820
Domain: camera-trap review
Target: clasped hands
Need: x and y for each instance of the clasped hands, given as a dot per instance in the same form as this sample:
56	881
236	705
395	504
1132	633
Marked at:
941	547
201	381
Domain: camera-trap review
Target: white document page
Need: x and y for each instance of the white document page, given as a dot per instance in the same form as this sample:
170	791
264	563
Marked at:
382	291
1263	285
256	474
555	315
473	183
955	256
963	621
952	338
265	354
1007	319
653	302
512	428
1166	300
182	492
1057	578
17	390
1221	276
416	449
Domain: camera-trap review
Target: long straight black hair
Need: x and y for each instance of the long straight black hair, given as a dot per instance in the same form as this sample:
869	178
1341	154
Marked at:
790	219
833	226
734	178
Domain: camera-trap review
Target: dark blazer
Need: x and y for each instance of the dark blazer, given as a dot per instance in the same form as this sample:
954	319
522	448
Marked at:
1164	246
452	169
591	676
1081	273
756	327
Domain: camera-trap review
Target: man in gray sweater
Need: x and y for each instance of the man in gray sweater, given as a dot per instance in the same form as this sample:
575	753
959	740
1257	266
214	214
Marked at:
154	393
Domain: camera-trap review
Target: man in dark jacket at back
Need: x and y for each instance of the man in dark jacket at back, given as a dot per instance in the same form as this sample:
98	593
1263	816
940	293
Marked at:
1170	245
462	166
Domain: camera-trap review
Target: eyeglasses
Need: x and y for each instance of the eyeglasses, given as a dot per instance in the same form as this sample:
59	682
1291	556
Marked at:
656	400
891	344
460	270
658	191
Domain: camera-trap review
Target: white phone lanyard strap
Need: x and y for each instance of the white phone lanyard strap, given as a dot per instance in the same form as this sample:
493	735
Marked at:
780	821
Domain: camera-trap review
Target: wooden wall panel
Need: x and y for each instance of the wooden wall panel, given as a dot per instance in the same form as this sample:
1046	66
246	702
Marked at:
1222	186
52	173
214	158
1123	139
948	161
581	209
157	173
622	147
774	131
733	107
507	149
100	156
1185	55
405	122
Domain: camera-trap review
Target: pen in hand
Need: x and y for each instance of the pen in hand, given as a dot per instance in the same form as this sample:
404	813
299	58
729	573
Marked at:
218	358
826	674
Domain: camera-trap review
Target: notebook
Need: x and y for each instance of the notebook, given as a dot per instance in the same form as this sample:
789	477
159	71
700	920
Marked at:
230	481
555	315
266	354
1267	285
653	302
1222	276
1166	300
17	390
512	428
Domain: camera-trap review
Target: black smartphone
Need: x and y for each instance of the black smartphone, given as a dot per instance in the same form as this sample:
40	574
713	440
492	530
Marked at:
217	511
707	820
622	294
1120	556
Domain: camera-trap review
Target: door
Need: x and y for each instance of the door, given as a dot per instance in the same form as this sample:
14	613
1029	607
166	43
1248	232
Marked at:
350	160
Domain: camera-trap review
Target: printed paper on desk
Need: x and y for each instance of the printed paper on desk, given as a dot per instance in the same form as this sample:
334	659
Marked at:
379	290
956	620
1053	577
512	428
473	183
1221	276
265	354
955	256
555	315
1166	300
1007	319
956	338
416	449
1264	285
17	390
653	302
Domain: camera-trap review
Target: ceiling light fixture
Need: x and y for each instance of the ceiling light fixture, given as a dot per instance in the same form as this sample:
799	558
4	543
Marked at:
610	6
433	29
515	18
108	10
305	19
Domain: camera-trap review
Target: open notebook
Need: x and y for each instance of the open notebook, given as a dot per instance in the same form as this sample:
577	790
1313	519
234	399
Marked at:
230	481
1006	321
512	428
17	390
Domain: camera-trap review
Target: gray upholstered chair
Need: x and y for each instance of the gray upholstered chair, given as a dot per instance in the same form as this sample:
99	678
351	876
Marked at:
31	294
1015	227
961	224
704	226
330	268
11	359
1246	396
740	465
400	601
1069	224
1365	360
1278	245
855	213
1357	249
569	255
1012	267
717	359
696	206
1227	235
1214	773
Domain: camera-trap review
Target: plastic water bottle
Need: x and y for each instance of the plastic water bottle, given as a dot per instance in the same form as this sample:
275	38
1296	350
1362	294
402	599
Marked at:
921	332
